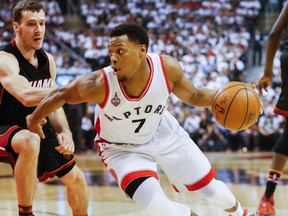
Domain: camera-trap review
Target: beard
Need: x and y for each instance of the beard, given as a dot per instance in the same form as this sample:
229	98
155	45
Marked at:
122	79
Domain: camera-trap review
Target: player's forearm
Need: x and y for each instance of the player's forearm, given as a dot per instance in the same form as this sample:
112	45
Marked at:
34	97
47	106
203	97
271	49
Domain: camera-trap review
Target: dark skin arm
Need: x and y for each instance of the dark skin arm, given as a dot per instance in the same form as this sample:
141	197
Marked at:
274	39
87	88
183	88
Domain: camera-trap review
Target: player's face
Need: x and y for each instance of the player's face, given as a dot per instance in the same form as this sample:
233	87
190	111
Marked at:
30	31
126	57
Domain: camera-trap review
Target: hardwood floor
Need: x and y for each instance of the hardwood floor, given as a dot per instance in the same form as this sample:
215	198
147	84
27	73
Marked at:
244	173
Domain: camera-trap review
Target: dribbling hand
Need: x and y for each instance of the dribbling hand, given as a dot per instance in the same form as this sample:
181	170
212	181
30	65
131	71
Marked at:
263	83
36	128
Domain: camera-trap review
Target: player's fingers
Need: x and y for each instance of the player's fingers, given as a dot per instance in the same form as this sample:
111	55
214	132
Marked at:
261	107
42	136
43	121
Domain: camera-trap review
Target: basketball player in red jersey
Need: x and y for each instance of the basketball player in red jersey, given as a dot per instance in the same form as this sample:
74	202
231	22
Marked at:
135	132
27	74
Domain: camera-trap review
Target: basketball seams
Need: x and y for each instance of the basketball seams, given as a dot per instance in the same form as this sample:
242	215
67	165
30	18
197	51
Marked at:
229	106
225	105
219	93
247	107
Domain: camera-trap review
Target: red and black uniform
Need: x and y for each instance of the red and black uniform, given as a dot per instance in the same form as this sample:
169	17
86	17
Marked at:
13	118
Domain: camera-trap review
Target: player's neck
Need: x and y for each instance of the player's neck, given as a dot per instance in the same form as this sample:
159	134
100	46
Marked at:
27	53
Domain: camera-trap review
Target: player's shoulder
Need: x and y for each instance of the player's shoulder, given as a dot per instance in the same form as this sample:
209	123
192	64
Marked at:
49	55
171	65
7	58
169	61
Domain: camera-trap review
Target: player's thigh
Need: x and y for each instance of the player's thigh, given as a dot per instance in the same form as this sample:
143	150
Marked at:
186	164
128	166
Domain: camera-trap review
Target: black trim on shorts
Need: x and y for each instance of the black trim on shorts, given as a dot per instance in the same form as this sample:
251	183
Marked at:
63	172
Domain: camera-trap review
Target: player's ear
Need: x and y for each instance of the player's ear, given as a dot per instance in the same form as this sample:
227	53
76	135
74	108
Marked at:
143	49
15	26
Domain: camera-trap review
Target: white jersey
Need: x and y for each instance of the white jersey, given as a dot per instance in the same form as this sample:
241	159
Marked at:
123	119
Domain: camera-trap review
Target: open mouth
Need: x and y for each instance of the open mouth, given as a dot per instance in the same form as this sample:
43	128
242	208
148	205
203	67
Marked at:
115	69
37	39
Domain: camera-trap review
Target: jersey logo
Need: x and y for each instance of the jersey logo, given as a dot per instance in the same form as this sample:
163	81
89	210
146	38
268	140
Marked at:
115	100
42	83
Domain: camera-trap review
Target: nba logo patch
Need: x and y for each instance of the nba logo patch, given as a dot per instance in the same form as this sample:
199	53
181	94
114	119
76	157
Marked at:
115	100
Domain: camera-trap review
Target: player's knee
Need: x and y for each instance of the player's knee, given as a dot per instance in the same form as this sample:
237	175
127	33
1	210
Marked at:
75	178
162	206
30	143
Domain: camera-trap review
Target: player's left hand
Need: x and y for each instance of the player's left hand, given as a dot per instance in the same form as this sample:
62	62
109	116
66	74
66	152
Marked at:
66	144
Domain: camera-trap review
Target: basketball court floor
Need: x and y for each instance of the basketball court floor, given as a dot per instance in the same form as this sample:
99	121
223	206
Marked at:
244	173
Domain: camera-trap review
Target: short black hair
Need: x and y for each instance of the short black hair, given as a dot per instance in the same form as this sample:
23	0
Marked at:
26	5
135	33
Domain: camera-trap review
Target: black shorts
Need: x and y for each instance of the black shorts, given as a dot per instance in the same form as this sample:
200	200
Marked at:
281	107
50	162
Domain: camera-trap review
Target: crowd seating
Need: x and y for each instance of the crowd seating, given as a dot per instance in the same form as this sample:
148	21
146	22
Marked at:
209	38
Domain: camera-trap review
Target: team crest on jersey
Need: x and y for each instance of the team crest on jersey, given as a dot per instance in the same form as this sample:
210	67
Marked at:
115	100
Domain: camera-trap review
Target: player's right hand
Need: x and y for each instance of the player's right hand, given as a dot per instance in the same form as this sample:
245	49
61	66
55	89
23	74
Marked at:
263	83
35	128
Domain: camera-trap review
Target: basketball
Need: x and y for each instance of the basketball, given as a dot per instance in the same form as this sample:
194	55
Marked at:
236	106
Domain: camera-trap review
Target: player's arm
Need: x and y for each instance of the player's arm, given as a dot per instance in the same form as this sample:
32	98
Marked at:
272	46
57	118
274	39
18	85
86	88
183	88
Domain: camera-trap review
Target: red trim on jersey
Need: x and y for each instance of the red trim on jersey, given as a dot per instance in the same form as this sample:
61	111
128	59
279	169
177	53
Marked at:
135	175
147	86
107	89
13	42
165	74
201	183
280	112
97	125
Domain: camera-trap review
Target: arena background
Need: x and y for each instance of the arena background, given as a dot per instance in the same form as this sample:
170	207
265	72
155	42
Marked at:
215	41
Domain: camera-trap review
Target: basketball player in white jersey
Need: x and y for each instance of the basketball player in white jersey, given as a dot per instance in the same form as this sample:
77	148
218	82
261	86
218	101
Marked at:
135	132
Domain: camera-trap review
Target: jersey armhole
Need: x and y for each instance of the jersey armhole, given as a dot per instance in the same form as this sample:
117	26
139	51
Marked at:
102	105
165	74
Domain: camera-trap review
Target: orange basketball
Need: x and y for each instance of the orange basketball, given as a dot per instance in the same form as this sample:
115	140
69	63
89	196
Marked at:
236	106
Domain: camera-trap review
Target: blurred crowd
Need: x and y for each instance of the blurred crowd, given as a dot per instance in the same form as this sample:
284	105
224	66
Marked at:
209	38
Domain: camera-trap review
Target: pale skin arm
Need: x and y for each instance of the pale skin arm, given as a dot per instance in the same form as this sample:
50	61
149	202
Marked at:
58	120
184	88
17	85
87	88
274	39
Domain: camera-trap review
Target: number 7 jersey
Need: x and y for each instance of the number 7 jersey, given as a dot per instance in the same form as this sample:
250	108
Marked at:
123	119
